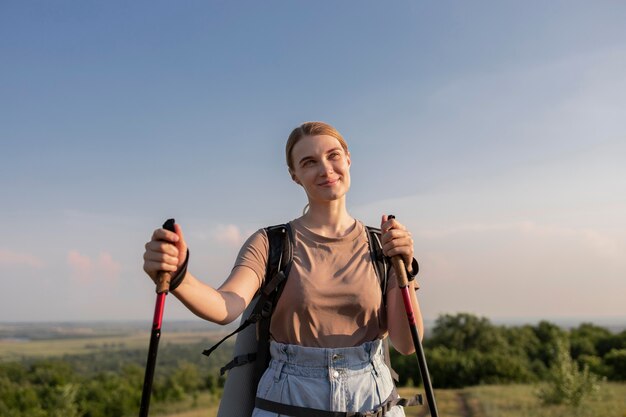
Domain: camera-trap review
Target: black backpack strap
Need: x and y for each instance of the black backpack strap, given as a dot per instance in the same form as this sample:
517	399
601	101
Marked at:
297	411
278	265
252	319
381	262
279	261
238	361
381	265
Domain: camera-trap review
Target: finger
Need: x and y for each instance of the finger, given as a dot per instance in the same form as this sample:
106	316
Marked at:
155	266
393	234
161	258
165	235
405	242
395	224
179	231
162	247
403	252
181	245
386	226
391	224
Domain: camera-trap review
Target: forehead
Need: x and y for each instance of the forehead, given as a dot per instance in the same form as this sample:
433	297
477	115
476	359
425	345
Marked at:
314	145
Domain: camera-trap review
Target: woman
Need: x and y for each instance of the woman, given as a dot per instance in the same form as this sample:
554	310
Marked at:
328	324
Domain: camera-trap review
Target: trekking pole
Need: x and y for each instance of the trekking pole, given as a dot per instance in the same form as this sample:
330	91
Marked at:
403	283
163	286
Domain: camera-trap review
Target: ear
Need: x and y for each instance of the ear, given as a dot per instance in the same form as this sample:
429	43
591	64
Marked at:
348	158
294	178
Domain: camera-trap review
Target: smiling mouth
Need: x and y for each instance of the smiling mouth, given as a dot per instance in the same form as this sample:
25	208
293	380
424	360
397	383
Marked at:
329	183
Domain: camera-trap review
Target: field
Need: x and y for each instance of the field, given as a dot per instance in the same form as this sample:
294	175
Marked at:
483	401
109	346
19	341
15	350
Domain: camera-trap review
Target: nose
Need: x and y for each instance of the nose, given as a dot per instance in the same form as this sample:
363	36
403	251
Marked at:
326	167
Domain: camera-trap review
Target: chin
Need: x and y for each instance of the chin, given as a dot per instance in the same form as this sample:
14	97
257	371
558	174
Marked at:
337	195
331	194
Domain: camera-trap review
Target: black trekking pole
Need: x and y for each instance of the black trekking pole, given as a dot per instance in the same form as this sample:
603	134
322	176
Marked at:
163	286
403	283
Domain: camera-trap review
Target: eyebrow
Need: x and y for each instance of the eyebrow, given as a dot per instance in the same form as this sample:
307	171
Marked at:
311	157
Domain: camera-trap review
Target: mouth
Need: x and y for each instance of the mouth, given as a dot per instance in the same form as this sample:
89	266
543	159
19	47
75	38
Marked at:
329	183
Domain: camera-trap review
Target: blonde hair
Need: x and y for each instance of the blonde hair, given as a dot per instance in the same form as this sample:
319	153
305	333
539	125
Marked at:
311	129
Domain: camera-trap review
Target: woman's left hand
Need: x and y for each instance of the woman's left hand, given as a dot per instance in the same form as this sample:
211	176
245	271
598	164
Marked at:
396	240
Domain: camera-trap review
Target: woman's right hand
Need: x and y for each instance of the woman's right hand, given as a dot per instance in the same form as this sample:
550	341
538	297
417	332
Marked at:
163	250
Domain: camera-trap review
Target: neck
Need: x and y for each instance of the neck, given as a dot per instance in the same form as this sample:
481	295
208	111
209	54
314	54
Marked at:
329	219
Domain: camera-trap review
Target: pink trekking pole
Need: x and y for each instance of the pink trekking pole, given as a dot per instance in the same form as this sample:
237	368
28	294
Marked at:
403	283
163	287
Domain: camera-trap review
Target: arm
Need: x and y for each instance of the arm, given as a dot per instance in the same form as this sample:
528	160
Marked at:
222	305
396	240
397	320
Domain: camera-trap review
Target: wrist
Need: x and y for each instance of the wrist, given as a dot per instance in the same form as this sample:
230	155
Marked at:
179	275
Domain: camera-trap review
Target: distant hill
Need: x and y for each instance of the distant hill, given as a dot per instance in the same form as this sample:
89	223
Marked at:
75	330
23	331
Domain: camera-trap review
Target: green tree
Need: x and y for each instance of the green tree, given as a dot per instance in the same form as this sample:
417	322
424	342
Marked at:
465	331
188	377
567	384
615	360
595	364
614	341
585	338
111	395
450	368
549	335
501	367
19	399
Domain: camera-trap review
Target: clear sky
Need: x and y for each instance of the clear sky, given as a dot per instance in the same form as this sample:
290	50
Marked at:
496	131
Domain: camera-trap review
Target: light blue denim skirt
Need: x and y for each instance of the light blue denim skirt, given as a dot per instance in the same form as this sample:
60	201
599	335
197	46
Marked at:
354	379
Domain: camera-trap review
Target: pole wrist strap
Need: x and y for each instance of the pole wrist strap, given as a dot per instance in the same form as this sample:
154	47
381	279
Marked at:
180	274
415	267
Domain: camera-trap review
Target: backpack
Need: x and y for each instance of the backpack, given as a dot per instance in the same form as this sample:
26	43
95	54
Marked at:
247	367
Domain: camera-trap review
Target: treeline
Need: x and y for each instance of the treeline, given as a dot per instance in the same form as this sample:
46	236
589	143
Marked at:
106	383
465	350
461	350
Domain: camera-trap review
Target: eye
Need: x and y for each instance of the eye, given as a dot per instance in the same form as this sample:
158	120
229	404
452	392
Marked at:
308	162
334	155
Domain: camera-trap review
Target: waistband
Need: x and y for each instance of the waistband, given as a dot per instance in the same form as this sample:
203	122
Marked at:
315	357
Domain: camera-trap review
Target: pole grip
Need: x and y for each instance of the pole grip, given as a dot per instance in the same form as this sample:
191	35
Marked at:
163	278
398	266
163	282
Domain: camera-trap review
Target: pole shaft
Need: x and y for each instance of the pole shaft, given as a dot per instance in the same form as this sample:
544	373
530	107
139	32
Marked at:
403	283
419	353
163	286
155	336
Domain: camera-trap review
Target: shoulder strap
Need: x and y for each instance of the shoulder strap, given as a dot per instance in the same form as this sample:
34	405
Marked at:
381	262
280	256
280	252
278	265
382	265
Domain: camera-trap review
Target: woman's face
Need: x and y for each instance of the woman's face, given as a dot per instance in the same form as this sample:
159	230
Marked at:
322	167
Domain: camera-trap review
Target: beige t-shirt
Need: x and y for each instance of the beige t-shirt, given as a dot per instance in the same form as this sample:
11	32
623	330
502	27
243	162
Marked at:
332	297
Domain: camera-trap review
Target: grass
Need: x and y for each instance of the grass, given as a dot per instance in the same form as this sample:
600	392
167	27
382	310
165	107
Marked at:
448	403
205	405
480	401
521	401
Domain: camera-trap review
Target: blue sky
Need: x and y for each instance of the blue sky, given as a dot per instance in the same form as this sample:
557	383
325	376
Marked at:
495	130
